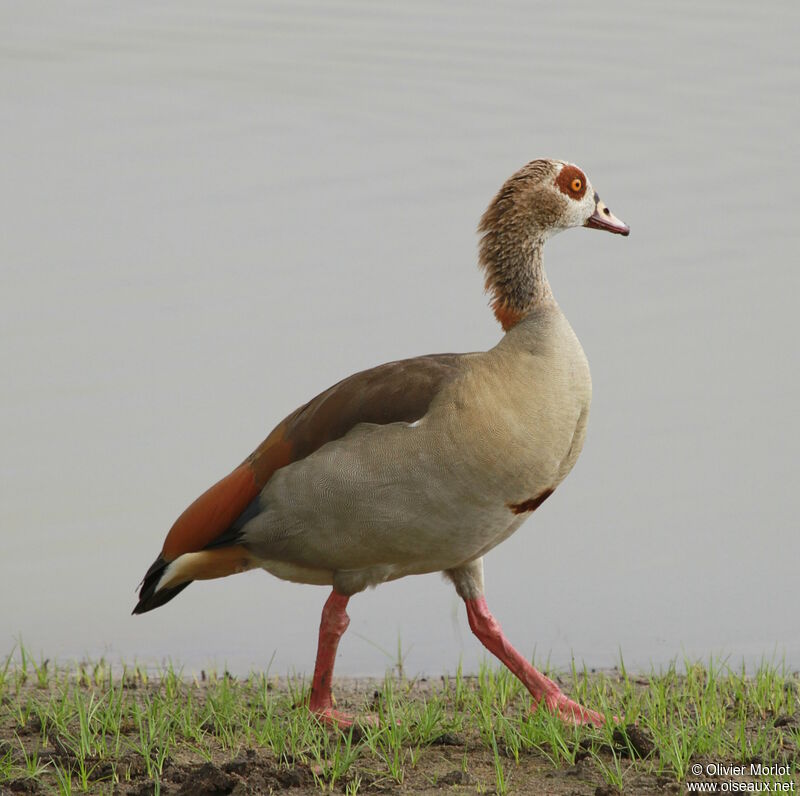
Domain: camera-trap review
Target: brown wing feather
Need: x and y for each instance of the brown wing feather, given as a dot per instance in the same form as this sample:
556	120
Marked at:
396	391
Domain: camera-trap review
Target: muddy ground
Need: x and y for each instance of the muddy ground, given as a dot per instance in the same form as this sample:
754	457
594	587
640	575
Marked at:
454	762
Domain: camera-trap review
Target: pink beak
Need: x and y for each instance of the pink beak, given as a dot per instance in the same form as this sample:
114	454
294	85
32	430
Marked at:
603	218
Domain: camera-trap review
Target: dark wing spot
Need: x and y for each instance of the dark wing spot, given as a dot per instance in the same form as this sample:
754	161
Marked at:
531	504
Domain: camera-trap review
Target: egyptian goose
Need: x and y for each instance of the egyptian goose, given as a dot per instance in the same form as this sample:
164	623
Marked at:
420	465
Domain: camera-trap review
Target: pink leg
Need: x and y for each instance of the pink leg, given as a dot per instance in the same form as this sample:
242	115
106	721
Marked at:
487	629
333	624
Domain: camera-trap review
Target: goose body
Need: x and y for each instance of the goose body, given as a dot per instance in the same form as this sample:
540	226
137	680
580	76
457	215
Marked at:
403	498
421	465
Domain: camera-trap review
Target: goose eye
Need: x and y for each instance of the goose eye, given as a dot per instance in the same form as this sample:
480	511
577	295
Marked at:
576	185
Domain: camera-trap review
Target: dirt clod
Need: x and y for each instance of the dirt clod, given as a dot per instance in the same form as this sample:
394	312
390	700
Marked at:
633	741
457	777
606	790
447	739
208	780
23	786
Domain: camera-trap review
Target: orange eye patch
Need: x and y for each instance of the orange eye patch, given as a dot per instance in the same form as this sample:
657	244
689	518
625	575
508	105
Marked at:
571	181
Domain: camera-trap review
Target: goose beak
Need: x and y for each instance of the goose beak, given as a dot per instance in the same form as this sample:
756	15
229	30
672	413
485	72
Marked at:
603	218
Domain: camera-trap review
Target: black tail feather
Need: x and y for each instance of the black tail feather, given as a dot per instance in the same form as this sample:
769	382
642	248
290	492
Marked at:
148	597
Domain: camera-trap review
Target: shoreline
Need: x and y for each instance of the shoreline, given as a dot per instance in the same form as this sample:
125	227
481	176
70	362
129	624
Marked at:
85	729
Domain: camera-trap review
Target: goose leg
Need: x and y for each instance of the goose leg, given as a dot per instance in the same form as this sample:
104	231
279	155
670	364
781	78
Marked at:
333	624
468	581
542	688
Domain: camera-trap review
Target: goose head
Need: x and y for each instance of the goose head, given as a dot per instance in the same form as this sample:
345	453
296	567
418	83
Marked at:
543	198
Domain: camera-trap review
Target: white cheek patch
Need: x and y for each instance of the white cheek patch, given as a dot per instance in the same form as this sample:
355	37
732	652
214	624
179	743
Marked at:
588	204
577	211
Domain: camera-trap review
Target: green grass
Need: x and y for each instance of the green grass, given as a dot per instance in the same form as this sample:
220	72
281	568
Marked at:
85	729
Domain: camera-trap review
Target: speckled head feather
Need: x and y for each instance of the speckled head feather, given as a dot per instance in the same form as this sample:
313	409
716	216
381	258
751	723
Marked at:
542	198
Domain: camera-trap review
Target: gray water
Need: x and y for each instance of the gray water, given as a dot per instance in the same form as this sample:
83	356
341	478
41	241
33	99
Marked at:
209	212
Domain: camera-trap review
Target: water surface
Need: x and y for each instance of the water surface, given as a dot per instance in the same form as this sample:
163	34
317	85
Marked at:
211	212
